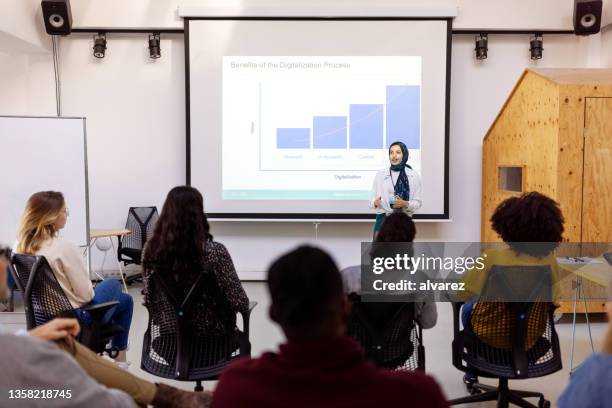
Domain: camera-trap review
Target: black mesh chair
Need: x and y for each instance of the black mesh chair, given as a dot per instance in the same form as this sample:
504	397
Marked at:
44	299
173	347
520	343
141	222
388	332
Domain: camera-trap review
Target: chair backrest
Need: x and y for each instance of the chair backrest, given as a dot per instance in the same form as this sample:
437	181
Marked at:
172	347
141	222
388	332
44	298
511	329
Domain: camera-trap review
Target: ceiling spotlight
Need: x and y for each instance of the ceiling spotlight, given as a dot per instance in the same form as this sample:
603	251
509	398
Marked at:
99	47
536	46
154	48
481	46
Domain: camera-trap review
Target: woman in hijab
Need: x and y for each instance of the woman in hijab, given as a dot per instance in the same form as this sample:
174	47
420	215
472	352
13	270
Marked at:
396	188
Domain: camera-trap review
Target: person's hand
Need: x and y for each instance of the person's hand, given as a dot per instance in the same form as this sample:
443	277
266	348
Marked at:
399	203
377	202
57	329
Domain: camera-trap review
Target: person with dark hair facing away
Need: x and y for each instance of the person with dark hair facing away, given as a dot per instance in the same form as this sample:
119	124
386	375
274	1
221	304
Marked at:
318	366
532	227
397	227
181	246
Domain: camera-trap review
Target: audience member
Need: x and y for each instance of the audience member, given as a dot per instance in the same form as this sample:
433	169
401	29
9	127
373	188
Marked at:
397	227
319	365
532	227
181	246
44	216
48	358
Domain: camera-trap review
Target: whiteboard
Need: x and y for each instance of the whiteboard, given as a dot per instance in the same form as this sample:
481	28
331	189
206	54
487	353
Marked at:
40	154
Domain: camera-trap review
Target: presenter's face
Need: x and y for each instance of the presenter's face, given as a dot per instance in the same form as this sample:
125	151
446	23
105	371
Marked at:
395	155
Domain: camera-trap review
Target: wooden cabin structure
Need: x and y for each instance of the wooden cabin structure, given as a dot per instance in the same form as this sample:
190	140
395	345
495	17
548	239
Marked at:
554	135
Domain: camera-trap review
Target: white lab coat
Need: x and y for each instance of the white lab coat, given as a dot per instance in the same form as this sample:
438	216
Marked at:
383	187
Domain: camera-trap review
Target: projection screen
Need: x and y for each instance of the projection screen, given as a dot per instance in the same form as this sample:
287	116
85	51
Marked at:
292	118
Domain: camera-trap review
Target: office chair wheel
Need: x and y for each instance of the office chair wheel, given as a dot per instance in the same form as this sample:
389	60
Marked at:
470	384
112	352
473	390
542	403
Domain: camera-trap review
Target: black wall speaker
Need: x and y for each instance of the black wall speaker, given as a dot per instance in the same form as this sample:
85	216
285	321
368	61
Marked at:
57	16
587	16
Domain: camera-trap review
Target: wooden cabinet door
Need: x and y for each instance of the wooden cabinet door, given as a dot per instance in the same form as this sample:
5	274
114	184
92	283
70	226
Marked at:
597	185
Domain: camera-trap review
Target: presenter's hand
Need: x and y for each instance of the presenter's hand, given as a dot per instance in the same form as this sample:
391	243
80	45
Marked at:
377	202
56	329
399	203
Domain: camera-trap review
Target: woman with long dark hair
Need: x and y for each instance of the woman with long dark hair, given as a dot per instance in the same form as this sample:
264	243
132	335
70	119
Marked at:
181	246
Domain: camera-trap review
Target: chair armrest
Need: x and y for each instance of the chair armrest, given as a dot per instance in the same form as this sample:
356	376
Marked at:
246	317
456	317
98	311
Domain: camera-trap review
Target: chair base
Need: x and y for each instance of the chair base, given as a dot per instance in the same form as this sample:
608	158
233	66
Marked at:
137	277
503	395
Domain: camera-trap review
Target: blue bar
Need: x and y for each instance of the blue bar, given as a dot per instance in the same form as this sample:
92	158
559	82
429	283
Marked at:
329	132
366	126
293	138
404	115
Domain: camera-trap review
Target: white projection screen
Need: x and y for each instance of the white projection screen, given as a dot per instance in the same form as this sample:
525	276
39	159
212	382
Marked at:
292	118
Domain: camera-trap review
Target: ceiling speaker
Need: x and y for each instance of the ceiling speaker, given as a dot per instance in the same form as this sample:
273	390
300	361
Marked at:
587	16
57	16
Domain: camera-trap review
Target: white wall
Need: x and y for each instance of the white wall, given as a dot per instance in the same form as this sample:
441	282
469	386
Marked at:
136	119
606	46
22	27
515	14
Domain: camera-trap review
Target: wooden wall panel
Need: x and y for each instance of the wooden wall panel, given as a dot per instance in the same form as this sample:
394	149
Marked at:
597	189
525	134
569	193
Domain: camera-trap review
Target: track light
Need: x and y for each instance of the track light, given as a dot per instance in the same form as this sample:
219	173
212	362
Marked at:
154	46
536	46
99	47
481	49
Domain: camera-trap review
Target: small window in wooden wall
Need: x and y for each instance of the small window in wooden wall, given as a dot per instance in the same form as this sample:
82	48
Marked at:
511	178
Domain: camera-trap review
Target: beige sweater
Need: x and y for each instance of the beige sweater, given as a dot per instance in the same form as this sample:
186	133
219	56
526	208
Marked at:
67	262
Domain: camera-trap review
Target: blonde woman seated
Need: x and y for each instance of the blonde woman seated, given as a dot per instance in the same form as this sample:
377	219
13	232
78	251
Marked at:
44	216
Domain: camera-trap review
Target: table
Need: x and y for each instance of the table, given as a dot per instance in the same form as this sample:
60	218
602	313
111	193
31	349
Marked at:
596	270
95	234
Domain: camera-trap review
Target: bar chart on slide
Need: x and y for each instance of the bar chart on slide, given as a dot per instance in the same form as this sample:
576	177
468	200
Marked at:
364	127
324	113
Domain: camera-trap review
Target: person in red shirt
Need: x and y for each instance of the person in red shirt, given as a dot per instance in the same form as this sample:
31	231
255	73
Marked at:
319	366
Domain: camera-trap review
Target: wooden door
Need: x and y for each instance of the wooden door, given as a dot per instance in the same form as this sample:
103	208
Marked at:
597	185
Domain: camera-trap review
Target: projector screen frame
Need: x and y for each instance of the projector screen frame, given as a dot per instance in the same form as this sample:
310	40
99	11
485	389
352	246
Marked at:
322	216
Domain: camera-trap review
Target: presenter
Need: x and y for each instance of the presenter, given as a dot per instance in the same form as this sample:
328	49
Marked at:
396	188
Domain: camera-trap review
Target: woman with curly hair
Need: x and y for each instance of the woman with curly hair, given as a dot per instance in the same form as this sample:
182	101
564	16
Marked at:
532	227
180	249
